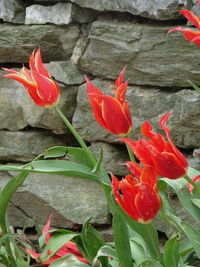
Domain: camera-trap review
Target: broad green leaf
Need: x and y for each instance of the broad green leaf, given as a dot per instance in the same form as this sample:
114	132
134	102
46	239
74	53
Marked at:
78	154
53	231
196	202
171	255
92	241
55	152
194	86
122	243
186	199
138	250
192	172
62	167
56	241
68	261
192	234
107	251
22	263
150	263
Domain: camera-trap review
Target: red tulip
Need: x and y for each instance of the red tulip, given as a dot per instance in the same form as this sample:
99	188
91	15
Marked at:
137	193
41	87
68	248
112	113
158	153
190	35
190	187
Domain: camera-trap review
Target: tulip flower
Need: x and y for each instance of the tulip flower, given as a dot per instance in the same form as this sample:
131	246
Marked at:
190	35
190	187
41	87
159	153
112	113
137	192
68	248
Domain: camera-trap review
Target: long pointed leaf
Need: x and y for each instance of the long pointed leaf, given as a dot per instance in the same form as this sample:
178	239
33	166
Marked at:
122	243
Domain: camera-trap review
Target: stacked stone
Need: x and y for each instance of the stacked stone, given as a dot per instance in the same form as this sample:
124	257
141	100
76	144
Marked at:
97	38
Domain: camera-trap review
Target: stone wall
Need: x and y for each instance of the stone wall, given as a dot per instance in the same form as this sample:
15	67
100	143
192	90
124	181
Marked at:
97	38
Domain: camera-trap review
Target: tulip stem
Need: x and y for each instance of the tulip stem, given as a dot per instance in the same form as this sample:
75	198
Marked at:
81	142
131	155
154	241
76	135
195	185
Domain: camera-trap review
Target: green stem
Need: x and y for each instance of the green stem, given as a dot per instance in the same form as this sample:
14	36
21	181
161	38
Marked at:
81	142
131	155
76	135
195	185
154	242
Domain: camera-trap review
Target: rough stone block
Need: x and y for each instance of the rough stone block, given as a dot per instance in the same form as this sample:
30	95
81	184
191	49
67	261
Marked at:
18	42
71	200
12	11
152	57
158	10
59	14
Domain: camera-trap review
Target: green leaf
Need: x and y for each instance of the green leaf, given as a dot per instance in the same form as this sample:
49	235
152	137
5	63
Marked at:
68	261
196	202
194	86
92	241
55	242
22	263
171	255
138	250
107	251
121	238
186	199
63	167
78	154
150	263
55	152
192	234
98	164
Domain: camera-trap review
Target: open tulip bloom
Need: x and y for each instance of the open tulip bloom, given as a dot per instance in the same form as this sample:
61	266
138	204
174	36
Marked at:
112	113
41	87
137	192
157	152
190	35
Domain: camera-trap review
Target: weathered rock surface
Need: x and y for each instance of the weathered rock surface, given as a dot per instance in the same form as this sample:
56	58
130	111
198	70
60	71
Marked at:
18	42
12	11
159	9
152	57
145	104
113	157
65	72
71	200
59	14
25	146
19	111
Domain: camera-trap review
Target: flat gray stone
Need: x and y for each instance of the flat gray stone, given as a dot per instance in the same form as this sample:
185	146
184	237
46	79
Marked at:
158	9
152	57
145	104
65	72
18	42
59	14
71	200
12	11
25	146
